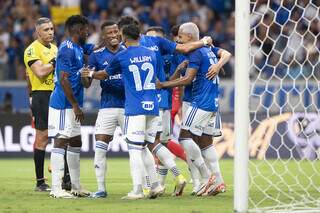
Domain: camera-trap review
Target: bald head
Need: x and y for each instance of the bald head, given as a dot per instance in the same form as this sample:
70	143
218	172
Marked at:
190	29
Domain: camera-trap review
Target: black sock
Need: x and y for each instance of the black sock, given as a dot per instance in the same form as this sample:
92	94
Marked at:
38	157
66	175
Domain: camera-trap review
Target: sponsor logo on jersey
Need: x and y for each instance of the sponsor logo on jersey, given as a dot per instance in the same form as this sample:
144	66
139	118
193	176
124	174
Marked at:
147	105
153	48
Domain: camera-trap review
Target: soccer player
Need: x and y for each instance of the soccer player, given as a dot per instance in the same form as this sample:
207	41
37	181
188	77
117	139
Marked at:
197	125
138	66
162	46
165	106
65	114
39	59
111	112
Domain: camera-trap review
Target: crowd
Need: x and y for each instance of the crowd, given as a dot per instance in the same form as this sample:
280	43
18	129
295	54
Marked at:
17	23
284	35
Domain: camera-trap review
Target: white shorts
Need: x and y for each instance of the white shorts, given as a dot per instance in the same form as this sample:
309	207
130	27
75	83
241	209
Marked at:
217	131
198	121
139	129
185	106
166	133
108	119
62	123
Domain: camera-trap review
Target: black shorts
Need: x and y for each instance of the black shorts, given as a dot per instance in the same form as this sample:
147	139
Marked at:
40	108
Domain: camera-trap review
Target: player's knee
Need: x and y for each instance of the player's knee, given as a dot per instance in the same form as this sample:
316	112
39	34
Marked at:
104	138
75	141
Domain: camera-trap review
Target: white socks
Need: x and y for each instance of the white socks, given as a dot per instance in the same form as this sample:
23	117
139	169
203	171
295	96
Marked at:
136	167
166	158
73	159
150	167
211	158
100	164
57	166
195	174
194	153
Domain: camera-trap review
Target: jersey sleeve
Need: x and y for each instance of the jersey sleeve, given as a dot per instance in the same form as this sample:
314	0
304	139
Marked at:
215	50
166	46
195	60
114	66
92	62
30	54
64	59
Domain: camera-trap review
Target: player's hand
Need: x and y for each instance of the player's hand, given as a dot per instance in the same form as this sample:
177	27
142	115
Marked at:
78	113
207	40
213	71
158	84
183	65
30	101
86	72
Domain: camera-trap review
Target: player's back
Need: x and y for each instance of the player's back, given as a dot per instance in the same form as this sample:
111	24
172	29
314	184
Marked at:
204	91
69	60
139	66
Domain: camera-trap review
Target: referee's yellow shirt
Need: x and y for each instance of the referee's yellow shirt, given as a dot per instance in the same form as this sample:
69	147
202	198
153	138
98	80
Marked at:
37	51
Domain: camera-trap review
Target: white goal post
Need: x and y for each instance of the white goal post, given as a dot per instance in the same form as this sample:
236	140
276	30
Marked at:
277	106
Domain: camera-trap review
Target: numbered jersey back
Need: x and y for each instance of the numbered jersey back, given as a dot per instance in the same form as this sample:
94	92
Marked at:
138	66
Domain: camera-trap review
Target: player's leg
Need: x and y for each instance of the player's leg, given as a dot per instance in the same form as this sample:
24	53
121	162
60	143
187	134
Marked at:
193	125
106	124
165	137
210	156
209	153
73	132
56	123
195	174
39	106
134	126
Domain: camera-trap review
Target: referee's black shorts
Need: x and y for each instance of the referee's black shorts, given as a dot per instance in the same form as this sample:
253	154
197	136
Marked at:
40	108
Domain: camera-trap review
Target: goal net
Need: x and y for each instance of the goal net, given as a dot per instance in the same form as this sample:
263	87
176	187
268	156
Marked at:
284	103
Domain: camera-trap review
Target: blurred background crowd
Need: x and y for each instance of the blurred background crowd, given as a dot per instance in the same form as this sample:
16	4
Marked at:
284	37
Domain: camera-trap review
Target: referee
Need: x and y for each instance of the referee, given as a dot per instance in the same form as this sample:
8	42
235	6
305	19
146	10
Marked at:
39	59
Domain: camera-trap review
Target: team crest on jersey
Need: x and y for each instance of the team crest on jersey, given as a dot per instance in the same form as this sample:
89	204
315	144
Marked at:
147	105
30	52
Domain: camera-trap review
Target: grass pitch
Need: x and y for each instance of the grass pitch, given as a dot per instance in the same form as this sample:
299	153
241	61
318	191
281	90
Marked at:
17	195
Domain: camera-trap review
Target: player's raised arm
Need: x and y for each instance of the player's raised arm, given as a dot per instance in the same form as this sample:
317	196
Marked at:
186	48
224	57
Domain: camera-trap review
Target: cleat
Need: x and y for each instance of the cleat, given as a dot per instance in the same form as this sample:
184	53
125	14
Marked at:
133	196
42	188
146	192
154	193
61	194
99	194
161	193
221	188
180	184
207	186
81	192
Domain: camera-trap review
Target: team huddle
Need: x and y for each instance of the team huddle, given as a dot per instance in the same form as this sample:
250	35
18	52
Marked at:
136	95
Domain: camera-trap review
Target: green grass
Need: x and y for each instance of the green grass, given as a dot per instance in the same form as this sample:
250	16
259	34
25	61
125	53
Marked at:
17	195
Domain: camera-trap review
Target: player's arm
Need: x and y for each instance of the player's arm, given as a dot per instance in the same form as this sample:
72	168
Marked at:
214	69
29	88
183	81
177	72
40	69
70	96
186	48
98	75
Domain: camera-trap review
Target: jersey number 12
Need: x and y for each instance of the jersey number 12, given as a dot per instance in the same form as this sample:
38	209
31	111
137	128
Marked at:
147	67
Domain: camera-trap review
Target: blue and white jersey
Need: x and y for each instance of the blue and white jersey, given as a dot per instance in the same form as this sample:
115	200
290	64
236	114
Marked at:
69	59
205	92
178	58
161	47
112	93
138	67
